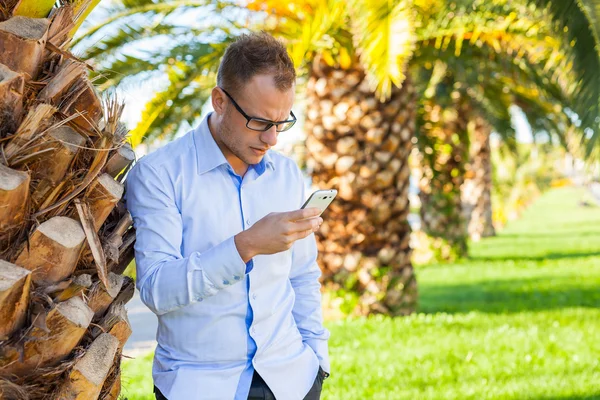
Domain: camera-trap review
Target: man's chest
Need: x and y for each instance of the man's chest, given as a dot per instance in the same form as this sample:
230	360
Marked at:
215	207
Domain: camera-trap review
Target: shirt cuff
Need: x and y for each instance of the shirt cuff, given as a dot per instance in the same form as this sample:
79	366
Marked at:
321	349
222	264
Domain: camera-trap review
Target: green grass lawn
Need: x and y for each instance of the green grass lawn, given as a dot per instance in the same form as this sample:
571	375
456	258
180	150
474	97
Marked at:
520	319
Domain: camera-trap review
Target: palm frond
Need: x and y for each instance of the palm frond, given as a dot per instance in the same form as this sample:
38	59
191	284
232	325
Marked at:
184	108
503	30
146	9
384	37
182	76
122	68
579	19
308	27
125	35
178	80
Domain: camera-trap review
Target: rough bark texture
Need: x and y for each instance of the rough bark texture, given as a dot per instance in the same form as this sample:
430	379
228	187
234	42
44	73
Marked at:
51	341
52	167
15	285
53	250
443	149
14	193
59	202
477	188
12	86
121	161
89	373
360	147
22	43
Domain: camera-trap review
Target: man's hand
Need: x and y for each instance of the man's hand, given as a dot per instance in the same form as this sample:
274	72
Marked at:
277	232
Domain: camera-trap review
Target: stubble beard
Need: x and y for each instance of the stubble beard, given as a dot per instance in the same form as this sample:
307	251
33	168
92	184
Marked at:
235	147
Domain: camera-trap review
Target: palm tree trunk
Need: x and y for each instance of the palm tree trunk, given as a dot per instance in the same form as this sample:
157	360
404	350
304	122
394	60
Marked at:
360	146
65	234
443	145
477	188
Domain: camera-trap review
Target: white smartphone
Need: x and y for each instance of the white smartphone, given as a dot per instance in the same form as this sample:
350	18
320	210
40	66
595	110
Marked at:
320	199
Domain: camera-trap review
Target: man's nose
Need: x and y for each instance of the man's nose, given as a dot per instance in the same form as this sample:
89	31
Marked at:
269	136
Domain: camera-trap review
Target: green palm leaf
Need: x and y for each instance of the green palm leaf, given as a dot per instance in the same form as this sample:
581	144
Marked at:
147	9
384	37
580	20
181	75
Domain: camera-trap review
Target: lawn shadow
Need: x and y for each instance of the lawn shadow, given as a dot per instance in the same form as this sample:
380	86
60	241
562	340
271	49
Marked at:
507	296
553	235
549	256
595	396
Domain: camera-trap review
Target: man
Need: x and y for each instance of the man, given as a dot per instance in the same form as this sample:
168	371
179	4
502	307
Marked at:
225	256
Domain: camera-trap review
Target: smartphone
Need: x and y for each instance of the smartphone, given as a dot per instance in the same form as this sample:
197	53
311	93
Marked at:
320	199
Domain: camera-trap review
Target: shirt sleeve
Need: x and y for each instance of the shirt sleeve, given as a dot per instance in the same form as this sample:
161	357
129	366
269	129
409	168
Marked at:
166	280
304	277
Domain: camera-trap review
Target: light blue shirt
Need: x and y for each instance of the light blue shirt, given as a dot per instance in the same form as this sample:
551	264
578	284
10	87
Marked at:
220	319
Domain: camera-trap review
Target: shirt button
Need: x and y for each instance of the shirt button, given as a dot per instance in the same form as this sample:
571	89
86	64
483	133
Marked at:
254	296
225	282
253	330
248	222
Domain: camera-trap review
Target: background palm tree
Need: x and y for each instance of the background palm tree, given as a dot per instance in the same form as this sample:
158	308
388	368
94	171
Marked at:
443	148
445	158
65	237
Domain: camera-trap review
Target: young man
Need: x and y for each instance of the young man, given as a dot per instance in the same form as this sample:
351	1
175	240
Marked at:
225	256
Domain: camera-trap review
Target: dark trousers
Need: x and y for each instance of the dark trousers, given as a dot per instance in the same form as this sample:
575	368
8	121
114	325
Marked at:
260	391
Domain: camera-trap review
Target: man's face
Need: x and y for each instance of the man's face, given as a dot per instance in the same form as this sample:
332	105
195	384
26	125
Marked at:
258	98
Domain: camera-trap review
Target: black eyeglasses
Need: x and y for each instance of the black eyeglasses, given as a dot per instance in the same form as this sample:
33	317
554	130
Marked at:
260	124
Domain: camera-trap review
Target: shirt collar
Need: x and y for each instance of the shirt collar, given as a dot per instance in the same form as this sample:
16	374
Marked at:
209	156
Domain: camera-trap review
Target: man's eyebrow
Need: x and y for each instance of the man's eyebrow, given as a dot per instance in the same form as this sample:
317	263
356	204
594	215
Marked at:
274	120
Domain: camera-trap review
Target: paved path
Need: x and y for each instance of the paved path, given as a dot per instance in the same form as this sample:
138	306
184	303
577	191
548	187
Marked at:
143	325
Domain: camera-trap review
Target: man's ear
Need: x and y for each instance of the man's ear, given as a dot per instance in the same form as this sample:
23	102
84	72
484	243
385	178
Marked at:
218	100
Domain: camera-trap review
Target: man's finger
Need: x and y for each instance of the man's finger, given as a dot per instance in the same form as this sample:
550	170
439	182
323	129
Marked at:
304	213
306	224
301	234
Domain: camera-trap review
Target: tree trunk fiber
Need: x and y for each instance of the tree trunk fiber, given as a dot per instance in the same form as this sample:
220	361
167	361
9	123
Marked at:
89	373
56	136
121	161
443	145
12	86
477	188
54	165
65	326
53	250
103	195
114	389
14	193
22	43
360	147
15	285
37	120
101	297
117	324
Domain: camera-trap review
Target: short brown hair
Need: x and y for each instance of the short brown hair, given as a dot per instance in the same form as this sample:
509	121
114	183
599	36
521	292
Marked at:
253	54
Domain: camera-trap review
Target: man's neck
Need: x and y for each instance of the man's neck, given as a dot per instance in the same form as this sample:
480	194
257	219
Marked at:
239	167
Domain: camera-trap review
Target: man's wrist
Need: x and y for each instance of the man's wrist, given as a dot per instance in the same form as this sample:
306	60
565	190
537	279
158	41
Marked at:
244	246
